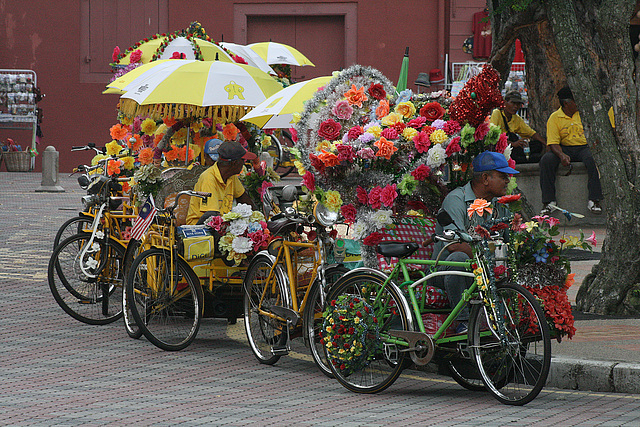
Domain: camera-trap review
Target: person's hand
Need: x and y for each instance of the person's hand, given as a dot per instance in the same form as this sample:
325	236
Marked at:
519	143
565	160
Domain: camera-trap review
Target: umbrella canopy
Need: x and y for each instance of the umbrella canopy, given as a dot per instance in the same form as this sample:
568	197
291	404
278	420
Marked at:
276	112
278	53
135	76
164	47
191	88
248	55
404	72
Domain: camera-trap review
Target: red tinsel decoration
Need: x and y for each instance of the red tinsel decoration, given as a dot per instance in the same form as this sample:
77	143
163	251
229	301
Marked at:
479	96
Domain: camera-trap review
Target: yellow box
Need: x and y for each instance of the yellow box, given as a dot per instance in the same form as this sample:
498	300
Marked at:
198	247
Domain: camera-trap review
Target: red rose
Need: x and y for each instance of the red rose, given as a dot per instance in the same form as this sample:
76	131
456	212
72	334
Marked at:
453	147
373	239
355	132
432	111
377	91
330	129
316	163
349	213
421	172
390	133
374	197
362	195
417	123
345	152
509	198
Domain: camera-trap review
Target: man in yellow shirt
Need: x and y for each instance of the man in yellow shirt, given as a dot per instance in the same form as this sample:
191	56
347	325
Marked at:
221	180
567	143
517	130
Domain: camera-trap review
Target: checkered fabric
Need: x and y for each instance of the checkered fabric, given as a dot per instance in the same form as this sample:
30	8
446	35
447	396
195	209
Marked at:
408	229
433	321
434	298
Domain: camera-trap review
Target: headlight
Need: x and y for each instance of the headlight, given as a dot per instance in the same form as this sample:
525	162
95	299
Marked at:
83	181
324	216
90	200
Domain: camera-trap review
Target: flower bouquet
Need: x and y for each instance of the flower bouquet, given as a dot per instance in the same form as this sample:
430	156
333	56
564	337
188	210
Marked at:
349	333
243	232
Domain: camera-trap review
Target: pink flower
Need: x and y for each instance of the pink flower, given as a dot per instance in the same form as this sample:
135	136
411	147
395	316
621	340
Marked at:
294	134
135	56
329	129
502	143
355	132
417	123
366	153
265	185
453	147
481	131
592	239
552	221
345	152
390	133
421	172
422	142
260	239
309	181
388	195
115	54
349	213
451	127
374	197
215	222
342	110
362	196
512	163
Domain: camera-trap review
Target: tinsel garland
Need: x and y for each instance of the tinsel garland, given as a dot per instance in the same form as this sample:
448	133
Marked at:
479	96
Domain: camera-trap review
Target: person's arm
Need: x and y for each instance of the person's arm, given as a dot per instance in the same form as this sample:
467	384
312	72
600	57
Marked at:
557	150
457	210
244	198
554	139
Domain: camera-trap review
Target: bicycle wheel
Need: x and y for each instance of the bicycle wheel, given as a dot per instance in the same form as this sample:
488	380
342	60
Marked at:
313	318
165	300
95	295
376	362
513	368
71	227
261	292
133	250
465	374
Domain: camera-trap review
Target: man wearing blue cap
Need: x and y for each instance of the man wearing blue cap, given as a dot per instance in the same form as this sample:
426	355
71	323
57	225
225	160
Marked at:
221	180
490	179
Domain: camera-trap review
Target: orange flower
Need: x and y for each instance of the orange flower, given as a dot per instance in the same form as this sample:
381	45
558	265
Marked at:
172	154
118	131
145	156
385	148
570	280
126	187
355	96
230	132
169	121
137	144
479	206
182	152
157	139
113	167
383	109
329	159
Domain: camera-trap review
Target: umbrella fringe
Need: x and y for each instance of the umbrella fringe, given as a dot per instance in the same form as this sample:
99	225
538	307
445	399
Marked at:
227	113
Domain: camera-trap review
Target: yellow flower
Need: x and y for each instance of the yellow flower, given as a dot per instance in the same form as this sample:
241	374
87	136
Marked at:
356	320
128	162
329	329
332	200
438	136
411	212
197	126
571	241
531	225
113	148
180	136
97	158
162	129
329	344
296	117
301	170
341	351
331	320
406	109
126	120
409	133
226	241
324	145
148	126
391	119
266	141
256	216
375	131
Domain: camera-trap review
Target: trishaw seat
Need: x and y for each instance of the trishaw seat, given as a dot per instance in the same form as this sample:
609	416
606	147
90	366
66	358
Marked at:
397	249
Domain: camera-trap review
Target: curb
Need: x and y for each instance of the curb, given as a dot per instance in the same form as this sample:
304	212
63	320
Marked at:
590	375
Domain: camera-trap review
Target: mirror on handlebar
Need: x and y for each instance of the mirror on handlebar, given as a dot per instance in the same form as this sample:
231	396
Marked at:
289	193
444	218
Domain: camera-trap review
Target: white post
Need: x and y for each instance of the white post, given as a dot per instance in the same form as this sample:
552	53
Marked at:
49	183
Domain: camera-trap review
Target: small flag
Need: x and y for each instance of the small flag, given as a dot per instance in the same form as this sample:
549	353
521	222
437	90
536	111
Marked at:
144	219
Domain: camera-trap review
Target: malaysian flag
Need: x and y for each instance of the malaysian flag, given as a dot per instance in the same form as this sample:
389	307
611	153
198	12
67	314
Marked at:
144	219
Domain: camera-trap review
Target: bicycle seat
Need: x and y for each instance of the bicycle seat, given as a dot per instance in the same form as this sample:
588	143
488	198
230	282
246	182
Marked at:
397	249
282	224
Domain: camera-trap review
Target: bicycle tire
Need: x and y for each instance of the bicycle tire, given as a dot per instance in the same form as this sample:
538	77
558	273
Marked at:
71	227
514	370
264	333
130	325
465	374
80	296
378	371
167	311
313	318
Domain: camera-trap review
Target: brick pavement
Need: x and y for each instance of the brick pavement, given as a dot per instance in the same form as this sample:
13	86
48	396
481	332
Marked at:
57	371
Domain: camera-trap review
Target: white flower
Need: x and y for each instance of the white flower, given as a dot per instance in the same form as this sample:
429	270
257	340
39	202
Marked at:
436	156
381	218
243	209
238	226
507	152
95	247
100	235
359	230
91	263
242	245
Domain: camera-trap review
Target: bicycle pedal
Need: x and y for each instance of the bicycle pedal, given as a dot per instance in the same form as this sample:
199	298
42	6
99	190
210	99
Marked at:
280	350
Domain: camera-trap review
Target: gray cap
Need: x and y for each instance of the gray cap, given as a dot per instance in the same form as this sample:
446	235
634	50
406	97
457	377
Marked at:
233	150
514	96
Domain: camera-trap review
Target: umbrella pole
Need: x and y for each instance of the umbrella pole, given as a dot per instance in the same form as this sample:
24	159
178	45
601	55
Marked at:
186	155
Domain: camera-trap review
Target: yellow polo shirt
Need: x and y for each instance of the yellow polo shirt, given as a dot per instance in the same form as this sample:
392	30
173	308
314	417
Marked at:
222	194
565	130
516	124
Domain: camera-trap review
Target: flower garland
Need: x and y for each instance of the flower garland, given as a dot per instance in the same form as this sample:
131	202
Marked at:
350	333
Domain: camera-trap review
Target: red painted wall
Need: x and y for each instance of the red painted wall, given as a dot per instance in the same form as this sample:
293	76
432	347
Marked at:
45	36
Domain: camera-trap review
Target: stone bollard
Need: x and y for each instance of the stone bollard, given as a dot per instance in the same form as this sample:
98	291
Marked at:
49	182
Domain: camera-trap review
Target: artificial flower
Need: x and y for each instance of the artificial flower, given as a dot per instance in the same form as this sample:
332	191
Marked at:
135	56
323	145
374	197
436	156
230	131
405	109
345	152
383	109
432	111
342	110
438	136
361	195
328	159
510	198
113	167
421	141
355	96
242	245
332	200
421	172
385	148
355	132
309	181
148	126
329	129
382	218
479	206
128	162
377	91
215	222
113	148
118	131
388	195
373	239
481	131
592	239
408	185
374	130
409	133
453	146
349	213
145	156
390	133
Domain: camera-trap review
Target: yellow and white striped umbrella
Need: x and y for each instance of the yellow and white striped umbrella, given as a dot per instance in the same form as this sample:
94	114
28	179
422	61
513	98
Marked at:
135	76
151	48
278	53
276	112
248	55
191	88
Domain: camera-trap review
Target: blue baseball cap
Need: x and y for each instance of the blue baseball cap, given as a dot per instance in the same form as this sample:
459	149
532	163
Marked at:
211	148
492	161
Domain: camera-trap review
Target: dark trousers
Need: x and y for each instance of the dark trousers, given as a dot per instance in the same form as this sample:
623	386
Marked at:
549	166
454	286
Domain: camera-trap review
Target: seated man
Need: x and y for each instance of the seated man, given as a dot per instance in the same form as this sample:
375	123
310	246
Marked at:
566	140
490	178
221	180
517	130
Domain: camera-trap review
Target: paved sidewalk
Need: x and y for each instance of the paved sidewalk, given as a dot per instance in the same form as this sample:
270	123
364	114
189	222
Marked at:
603	356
